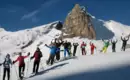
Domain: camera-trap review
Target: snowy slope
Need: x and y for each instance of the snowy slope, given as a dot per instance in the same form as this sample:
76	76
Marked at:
117	28
97	67
108	29
102	32
11	42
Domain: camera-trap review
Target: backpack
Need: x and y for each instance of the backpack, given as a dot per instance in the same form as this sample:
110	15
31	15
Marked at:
7	63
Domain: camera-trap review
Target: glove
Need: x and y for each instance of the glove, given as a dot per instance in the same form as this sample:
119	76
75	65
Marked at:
45	44
31	58
28	54
13	62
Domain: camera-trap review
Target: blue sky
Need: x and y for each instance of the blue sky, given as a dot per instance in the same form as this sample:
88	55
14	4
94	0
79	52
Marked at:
22	14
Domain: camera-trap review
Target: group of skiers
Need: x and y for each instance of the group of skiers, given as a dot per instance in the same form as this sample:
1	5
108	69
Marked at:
113	42
21	67
55	49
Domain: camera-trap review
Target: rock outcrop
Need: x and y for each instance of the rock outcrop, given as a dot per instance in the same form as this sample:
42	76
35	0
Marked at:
78	23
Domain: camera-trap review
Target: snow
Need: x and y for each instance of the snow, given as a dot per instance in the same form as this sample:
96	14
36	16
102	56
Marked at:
81	67
117	28
83	64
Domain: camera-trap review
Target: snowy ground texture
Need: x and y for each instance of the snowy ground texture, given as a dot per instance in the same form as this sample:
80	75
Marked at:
100	66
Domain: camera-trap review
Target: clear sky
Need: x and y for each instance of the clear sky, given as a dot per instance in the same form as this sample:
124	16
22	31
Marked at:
22	14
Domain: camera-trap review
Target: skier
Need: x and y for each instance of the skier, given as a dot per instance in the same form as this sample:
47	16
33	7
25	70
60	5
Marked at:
92	48
106	45
65	44
113	45
69	48
124	43
53	51
58	44
21	64
6	64
37	55
83	45
75	48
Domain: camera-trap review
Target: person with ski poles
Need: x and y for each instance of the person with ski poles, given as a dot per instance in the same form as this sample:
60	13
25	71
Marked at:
106	45
6	64
58	43
83	46
113	45
21	58
66	45
92	48
69	48
37	58
53	51
75	45
124	40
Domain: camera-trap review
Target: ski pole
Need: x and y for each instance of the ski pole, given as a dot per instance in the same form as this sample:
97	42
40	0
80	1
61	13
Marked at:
0	72
28	66
10	73
16	71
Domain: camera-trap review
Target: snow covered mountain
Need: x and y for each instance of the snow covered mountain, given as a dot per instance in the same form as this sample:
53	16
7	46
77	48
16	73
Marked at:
27	40
11	42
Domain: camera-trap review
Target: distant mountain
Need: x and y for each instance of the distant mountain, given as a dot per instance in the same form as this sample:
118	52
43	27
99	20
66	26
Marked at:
13	42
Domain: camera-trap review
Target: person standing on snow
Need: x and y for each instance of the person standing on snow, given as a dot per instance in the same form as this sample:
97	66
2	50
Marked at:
65	44
113	45
124	43
75	45
69	48
106	45
37	57
6	64
58	44
21	64
92	48
53	51
83	46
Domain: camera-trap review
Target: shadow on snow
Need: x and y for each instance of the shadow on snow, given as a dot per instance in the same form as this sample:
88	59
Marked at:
122	73
52	68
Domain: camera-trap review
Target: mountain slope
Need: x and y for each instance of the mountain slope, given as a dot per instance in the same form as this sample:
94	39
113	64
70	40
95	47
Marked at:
11	42
117	28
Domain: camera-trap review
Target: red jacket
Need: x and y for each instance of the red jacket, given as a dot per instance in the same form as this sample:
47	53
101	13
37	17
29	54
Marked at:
21	60
37	55
92	46
83	45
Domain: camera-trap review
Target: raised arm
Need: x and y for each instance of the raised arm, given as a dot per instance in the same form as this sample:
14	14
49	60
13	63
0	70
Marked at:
116	41
77	44
103	40
1	64
128	38
47	46
111	41
121	38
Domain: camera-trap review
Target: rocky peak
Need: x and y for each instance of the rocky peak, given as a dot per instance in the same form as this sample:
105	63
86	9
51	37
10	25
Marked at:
78	23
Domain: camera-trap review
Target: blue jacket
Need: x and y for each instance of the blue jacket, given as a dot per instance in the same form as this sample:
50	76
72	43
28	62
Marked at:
54	49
